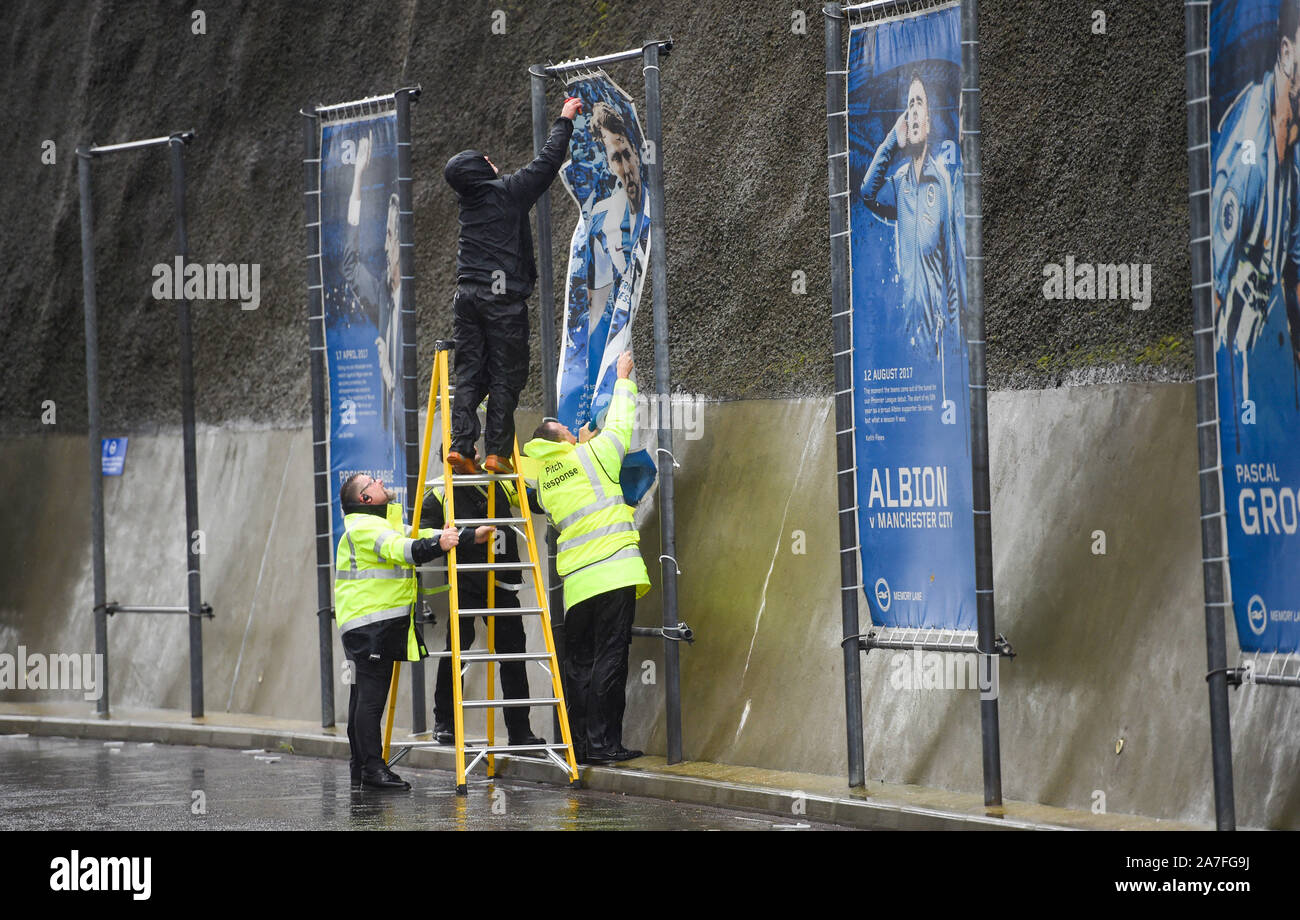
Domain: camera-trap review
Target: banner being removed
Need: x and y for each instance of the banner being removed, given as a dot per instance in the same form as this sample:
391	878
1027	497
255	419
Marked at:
606	175
910	366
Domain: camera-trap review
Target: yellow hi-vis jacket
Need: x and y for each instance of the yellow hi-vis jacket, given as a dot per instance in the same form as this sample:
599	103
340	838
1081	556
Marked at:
578	486
375	587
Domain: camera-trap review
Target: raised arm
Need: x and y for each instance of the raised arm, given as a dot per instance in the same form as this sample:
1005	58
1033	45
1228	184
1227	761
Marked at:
527	185
620	419
877	191
365	284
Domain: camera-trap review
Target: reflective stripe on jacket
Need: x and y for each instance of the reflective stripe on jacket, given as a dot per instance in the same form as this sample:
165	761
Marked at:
578	485
375	585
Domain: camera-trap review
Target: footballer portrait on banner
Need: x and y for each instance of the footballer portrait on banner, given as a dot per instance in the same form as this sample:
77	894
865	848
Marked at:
1255	283
606	174
908	286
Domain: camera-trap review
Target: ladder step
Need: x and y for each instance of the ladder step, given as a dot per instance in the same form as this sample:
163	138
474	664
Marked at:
500	611
490	704
476	522
416	745
492	566
507	748
505	656
495	656
467	479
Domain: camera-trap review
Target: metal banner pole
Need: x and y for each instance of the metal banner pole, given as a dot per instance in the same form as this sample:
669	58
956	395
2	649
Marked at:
410	394
842	333
659	276
546	317
92	403
177	146
979	415
1213	553
320	458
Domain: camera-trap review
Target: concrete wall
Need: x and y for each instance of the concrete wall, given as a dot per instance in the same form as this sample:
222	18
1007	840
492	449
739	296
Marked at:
1109	647
258	572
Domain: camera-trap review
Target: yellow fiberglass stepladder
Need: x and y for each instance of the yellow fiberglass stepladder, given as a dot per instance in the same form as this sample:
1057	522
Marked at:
485	750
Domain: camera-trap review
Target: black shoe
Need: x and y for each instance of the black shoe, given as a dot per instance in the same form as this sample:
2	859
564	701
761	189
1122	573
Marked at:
385	780
526	740
356	777
617	755
444	733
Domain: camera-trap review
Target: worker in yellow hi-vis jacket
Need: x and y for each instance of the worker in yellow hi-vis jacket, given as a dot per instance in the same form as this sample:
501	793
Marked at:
374	596
577	483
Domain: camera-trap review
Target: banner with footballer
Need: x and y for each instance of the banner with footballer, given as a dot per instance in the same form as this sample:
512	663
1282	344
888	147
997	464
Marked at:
1255	246
911	375
360	259
606	173
610	248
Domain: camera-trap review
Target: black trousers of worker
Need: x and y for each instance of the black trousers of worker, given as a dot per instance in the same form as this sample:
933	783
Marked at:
366	702
597	638
509	636
491	359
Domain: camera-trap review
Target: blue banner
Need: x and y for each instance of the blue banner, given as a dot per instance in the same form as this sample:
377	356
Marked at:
360	259
1255	246
911	376
606	174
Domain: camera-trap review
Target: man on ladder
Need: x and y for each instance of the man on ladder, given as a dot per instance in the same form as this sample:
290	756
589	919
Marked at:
472	502
495	273
597	556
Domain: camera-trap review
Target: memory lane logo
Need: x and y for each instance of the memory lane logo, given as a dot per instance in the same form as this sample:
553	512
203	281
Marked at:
103	873
52	672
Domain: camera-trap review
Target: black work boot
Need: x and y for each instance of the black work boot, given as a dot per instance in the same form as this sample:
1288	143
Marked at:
384	780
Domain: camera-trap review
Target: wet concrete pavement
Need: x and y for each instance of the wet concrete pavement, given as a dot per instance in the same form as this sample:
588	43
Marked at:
68	784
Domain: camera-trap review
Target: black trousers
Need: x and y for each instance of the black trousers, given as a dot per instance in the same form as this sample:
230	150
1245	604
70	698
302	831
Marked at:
509	636
366	702
597	638
491	360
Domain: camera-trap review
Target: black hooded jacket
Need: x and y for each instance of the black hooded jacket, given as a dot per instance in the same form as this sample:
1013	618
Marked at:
494	231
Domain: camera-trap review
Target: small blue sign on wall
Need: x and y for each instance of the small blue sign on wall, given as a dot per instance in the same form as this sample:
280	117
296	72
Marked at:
113	456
